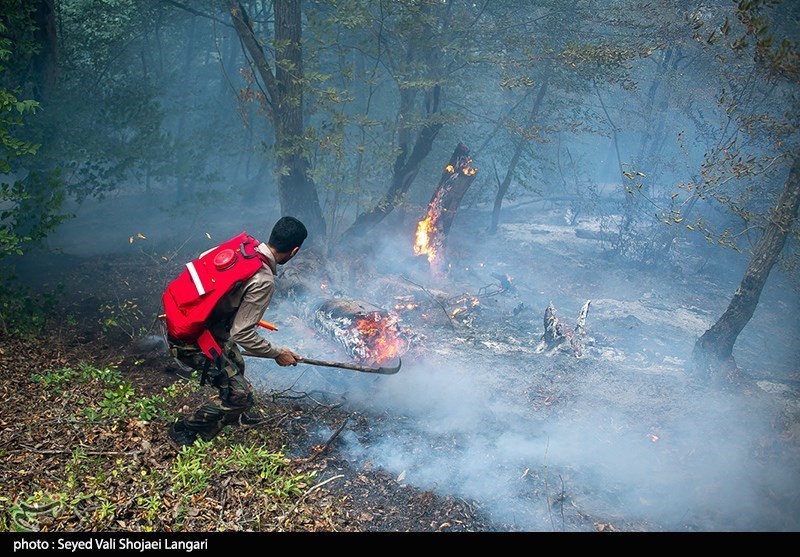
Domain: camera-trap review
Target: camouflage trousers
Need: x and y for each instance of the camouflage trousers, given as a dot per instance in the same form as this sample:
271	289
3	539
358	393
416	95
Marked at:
235	394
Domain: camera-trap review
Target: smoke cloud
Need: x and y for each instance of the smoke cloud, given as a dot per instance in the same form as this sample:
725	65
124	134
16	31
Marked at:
620	436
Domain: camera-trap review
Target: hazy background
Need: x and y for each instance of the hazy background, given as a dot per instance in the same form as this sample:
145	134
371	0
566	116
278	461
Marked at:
627	153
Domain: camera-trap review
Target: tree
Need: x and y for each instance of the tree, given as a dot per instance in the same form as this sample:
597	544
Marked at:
554	53
419	44
503	186
30	201
284	91
712	357
713	352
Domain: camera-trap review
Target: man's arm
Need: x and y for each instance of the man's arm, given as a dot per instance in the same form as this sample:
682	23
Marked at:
255	300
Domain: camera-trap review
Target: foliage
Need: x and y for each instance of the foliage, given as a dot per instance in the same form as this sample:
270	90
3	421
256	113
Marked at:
200	463
123	315
117	398
757	138
29	201
103	489
23	313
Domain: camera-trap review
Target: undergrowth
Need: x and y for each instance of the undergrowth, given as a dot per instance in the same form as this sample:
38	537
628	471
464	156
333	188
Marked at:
102	468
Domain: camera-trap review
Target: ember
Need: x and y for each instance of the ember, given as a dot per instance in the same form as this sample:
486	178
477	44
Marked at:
464	303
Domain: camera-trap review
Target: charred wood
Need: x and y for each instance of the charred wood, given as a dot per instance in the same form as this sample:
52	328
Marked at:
368	333
433	228
558	336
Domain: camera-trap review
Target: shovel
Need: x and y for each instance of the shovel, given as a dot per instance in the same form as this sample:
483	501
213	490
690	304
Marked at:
354	367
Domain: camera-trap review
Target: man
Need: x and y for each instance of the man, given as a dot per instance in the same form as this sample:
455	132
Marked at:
233	323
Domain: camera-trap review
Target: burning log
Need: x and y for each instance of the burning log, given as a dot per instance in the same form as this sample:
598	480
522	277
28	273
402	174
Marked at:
557	336
369	334
432	230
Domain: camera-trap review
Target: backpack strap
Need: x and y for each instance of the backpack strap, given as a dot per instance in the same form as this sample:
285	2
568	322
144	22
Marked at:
214	354
252	243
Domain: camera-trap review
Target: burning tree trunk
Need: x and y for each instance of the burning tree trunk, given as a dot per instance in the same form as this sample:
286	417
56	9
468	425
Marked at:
432	230
557	336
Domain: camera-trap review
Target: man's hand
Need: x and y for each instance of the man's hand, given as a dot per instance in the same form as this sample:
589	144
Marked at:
286	358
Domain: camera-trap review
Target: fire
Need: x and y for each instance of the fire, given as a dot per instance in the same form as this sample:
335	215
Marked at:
429	238
466	169
426	232
382	339
464	303
368	333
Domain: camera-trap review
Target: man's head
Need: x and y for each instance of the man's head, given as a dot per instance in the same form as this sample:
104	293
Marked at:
286	238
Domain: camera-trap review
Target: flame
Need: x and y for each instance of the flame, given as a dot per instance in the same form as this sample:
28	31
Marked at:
428	240
465	303
466	169
426	232
382	338
468	300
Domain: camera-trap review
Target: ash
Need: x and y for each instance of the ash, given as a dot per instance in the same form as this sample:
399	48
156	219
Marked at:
613	435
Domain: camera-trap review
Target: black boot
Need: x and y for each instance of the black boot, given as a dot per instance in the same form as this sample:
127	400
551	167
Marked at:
249	417
179	435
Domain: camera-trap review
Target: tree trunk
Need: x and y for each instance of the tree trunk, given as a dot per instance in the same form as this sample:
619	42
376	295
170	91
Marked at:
297	192
181	178
45	62
433	228
405	170
434	22
369	334
712	358
503	187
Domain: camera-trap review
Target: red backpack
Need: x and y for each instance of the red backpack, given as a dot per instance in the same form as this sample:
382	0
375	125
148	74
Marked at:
190	298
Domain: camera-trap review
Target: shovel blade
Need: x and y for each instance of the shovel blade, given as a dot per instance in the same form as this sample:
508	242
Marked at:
354	367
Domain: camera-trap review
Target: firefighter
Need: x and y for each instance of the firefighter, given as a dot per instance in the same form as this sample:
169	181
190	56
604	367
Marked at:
232	323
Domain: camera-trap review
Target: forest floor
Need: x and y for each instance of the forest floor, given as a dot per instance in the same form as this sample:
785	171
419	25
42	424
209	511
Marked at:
94	469
643	448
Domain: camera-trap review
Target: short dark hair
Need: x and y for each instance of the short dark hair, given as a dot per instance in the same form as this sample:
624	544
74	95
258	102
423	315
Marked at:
287	234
